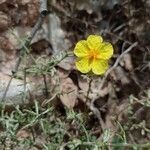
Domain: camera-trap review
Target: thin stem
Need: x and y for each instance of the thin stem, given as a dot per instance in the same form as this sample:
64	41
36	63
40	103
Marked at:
45	86
25	84
89	88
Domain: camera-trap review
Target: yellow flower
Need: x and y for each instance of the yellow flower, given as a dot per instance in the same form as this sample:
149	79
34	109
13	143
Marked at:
93	55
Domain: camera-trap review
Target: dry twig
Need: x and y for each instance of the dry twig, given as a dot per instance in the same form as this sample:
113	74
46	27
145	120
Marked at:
91	106
116	63
43	12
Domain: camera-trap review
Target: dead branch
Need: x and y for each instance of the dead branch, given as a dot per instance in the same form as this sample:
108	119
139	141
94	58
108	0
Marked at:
91	106
43	12
116	63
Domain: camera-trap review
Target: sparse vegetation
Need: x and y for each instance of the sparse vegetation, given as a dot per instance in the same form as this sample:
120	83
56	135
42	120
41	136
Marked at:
46	103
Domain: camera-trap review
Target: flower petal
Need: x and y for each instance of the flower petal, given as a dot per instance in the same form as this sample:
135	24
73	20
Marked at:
99	66
81	49
106	51
83	65
94	41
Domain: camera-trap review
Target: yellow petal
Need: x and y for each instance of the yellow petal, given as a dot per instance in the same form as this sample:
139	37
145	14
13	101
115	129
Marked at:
106	51
94	41
83	65
81	49
99	66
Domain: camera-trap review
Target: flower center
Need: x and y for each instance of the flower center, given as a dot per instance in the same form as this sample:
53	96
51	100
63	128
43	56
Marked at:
92	55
